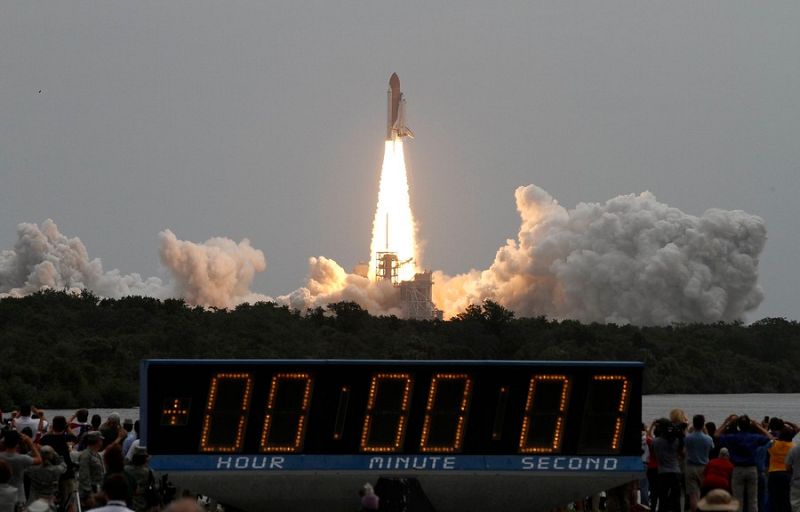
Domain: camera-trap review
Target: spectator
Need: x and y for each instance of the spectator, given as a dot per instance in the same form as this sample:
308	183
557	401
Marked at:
132	436
25	419
644	483
112	431
793	468
18	462
115	489
652	469
45	477
718	473
143	476
718	500
60	438
698	446
114	464
778	477
742	436
8	493
668	446
369	500
711	430
79	423
96	422
90	466
184	505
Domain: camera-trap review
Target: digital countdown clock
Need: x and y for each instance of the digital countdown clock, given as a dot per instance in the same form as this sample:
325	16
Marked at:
254	433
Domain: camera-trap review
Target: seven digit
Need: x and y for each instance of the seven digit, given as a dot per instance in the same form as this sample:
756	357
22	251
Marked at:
622	405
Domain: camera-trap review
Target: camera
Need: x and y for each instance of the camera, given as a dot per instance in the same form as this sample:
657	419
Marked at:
669	430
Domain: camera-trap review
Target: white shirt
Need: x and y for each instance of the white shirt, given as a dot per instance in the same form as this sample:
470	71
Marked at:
20	422
113	506
134	445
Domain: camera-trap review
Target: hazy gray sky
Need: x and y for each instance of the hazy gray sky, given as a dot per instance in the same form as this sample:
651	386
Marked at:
266	121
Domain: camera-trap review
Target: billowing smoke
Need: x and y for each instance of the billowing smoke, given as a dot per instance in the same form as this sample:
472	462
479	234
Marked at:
328	282
43	258
216	273
630	260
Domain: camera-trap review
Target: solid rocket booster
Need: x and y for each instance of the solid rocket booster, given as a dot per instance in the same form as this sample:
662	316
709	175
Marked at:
396	114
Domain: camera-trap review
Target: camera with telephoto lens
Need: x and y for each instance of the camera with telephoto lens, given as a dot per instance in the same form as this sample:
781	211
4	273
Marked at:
669	430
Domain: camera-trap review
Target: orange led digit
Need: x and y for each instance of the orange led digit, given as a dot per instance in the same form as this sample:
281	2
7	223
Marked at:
216	413
622	405
291	416
450	416
536	419
386	417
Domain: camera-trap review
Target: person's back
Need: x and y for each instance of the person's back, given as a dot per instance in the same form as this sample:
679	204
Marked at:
44	478
140	475
115	489
8	493
18	462
90	472
698	445
668	447
718	473
743	446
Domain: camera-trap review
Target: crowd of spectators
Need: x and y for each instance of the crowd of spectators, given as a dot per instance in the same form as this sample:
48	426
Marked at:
59	465
52	466
755	464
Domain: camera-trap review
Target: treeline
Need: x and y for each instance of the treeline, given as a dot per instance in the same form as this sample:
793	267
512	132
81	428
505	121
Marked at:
64	351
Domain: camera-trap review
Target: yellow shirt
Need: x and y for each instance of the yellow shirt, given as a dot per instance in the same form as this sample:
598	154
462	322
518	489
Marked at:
777	455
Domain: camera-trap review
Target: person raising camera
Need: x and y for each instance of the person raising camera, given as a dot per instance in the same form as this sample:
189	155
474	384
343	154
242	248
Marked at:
668	446
742	437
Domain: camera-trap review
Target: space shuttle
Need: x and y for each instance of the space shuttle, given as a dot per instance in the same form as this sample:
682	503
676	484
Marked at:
396	115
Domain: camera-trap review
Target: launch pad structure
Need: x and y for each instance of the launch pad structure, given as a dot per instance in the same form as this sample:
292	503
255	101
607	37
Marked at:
416	297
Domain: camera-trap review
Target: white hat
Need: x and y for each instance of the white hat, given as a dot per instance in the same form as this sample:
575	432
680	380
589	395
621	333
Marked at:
718	499
40	505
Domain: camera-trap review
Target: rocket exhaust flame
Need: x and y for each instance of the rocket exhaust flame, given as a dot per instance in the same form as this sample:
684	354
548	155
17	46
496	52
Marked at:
393	226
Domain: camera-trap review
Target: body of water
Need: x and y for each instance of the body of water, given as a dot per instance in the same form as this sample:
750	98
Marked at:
718	407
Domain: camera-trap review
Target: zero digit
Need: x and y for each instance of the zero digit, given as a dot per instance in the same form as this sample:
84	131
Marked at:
386	417
287	413
226	411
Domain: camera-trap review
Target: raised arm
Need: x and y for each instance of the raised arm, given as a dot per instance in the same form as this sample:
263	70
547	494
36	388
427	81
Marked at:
725	424
36	455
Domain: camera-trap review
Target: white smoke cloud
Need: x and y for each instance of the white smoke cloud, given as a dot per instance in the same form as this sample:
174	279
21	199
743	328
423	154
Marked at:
630	260
43	258
216	273
328	282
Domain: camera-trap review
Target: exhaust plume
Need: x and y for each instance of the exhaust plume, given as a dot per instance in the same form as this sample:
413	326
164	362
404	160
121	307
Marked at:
328	282
216	273
630	260
43	258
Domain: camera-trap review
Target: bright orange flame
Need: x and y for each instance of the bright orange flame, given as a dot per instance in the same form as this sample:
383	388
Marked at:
393	218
